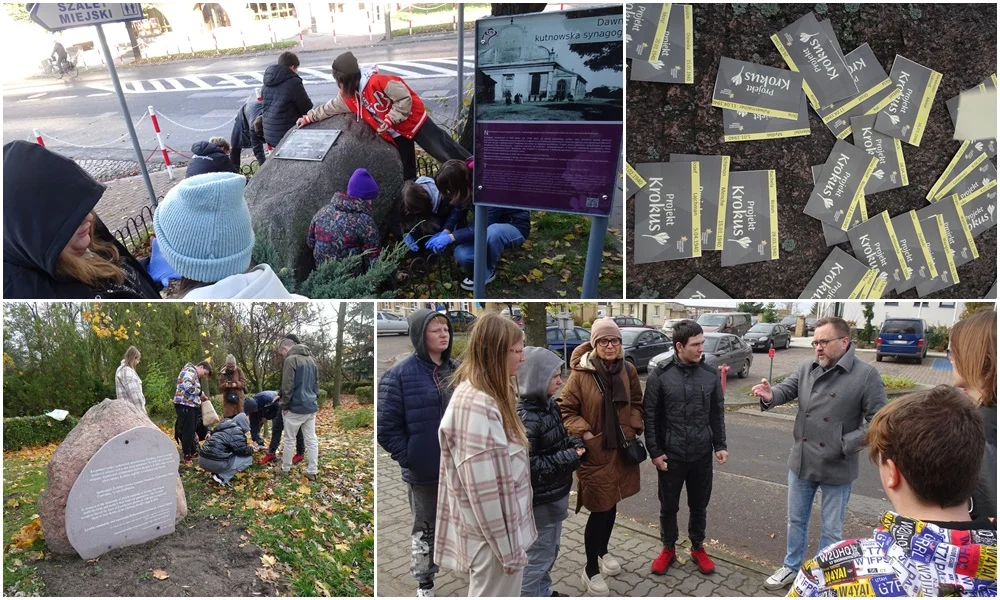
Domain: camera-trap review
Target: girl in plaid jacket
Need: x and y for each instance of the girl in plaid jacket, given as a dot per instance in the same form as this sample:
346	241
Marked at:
484	523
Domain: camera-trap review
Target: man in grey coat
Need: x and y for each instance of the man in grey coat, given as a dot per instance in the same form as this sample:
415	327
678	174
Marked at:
838	396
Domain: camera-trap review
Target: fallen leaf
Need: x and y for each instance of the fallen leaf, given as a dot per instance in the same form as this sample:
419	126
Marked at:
569	237
323	588
547	261
268	560
341	547
160	574
772	536
267	574
28	534
304	490
537	273
562	293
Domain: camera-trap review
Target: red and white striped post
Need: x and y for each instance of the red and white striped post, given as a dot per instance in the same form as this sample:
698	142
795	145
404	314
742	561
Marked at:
411	26
244	40
454	17
369	15
38	138
302	42
191	44
159	140
333	23
167	51
270	35
216	40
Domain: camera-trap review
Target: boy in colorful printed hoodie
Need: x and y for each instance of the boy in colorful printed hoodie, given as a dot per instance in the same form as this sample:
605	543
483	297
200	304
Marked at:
392	109
344	227
928	447
187	405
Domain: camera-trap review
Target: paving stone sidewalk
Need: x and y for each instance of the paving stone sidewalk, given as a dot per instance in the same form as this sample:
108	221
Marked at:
126	197
632	544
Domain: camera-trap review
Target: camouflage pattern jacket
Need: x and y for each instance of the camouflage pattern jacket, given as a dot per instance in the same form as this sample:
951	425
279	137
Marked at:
342	228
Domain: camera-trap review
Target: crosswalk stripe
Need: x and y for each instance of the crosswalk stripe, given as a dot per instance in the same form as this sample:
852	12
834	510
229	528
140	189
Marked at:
451	61
426	67
258	76
61	97
177	85
157	85
316	73
402	72
98	95
229	79
197	81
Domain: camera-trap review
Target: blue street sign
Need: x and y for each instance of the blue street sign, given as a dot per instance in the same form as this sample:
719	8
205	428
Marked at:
57	16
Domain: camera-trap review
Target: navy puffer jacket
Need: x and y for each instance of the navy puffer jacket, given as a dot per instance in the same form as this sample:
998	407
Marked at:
284	100
412	396
208	158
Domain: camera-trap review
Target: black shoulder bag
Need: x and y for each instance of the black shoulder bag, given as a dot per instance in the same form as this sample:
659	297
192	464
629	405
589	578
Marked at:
633	449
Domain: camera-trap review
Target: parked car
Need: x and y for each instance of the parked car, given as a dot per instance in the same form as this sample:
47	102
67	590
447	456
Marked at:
629	322
768	335
640	344
388	324
789	323
461	320
720	348
810	325
550	319
516	315
668	327
574	337
902	338
734	323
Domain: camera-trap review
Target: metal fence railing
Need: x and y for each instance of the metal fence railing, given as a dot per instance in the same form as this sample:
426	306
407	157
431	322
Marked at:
137	229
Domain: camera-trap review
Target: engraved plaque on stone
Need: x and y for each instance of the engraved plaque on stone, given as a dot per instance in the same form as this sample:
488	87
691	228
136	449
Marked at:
307	144
127	493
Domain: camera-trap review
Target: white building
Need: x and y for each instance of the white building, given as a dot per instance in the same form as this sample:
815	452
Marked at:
933	312
513	66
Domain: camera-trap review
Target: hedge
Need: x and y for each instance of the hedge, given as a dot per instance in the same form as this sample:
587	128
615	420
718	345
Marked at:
19	432
356	419
365	394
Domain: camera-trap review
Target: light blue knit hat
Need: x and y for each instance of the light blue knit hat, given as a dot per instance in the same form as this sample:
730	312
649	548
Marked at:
203	227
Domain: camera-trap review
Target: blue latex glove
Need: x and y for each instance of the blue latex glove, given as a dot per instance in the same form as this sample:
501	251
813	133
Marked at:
158	267
411	243
439	242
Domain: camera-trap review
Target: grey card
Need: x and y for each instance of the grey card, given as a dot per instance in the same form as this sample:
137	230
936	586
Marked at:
831	233
875	243
937	240
991	294
757	89
916	254
840	276
960	240
743	126
876	92
633	181
807	49
890	172
827	27
970	156
906	117
668	212
976	182
676	62
751	233
700	288
645	25
981	212
841	185
988	145
714	177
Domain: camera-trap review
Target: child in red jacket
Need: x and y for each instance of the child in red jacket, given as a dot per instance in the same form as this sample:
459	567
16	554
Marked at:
394	110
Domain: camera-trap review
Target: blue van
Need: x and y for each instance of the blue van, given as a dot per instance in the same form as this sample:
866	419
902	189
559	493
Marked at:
902	338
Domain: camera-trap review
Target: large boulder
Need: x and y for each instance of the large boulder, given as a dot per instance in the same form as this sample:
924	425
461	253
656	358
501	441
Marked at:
284	195
101	423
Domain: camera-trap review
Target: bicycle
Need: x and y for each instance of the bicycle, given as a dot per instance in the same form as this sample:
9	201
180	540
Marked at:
64	67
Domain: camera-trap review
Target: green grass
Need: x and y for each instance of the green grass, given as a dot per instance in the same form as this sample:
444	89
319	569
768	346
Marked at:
892	382
321	534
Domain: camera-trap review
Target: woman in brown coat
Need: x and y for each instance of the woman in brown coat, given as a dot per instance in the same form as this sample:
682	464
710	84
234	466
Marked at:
233	385
602	404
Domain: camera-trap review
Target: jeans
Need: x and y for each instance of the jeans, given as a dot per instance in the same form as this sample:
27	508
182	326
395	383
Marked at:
277	428
435	141
423	507
499	236
294	423
696	476
800	499
537	581
225	469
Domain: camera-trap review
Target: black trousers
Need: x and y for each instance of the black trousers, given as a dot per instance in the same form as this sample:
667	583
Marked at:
435	141
277	428
188	423
596	536
697	477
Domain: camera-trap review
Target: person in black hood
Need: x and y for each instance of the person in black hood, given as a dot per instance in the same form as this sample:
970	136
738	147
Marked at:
210	157
248	131
412	397
226	452
554	455
54	245
284	97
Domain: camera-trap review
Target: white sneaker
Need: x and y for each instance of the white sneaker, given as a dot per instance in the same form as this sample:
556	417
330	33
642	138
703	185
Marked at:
609	565
781	578
594	586
468	285
425	593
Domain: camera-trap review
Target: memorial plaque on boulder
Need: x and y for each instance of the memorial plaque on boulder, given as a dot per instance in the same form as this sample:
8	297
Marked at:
307	144
125	495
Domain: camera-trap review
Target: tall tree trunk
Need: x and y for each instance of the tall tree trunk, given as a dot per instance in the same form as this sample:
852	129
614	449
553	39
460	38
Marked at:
496	10
133	42
338	378
388	21
534	324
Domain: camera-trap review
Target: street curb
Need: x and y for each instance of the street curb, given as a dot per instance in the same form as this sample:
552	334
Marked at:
744	411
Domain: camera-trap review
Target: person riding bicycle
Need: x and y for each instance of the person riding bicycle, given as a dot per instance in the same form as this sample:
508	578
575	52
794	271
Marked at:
59	55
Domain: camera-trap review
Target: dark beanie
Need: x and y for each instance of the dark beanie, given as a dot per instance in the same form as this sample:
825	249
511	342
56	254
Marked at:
346	63
293	337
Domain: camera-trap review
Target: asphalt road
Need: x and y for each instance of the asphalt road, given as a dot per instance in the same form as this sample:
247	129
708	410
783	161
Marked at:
85	111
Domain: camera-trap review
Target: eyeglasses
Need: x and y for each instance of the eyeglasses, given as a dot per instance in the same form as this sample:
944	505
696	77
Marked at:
605	342
823	343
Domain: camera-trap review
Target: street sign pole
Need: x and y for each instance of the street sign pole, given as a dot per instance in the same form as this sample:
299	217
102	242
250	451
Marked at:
461	55
125	113
770	373
595	250
479	252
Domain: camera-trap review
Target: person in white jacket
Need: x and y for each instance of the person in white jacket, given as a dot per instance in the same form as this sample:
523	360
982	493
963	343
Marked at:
485	524
204	231
128	386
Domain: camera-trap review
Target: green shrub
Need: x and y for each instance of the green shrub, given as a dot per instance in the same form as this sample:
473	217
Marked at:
356	419
20	432
892	382
586	325
936	337
458	346
365	394
322	398
159	389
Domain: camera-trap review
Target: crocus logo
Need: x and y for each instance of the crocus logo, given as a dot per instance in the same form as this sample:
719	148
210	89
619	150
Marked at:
880	173
894	119
744	242
738	78
827	202
661	238
805	37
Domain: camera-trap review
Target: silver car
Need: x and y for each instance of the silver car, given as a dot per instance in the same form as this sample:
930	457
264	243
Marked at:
388	324
720	348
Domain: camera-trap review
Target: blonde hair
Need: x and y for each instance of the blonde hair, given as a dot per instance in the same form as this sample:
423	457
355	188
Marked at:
974	353
221	143
99	263
484	366
131	356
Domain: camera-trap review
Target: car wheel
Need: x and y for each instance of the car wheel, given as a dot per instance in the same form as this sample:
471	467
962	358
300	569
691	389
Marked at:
407	332
878	357
788	342
745	370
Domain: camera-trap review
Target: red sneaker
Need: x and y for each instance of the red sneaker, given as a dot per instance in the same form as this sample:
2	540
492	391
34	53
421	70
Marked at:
705	564
663	561
268	458
297	459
